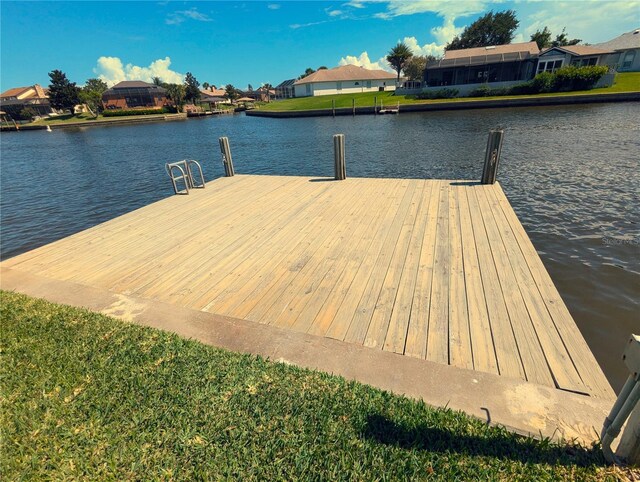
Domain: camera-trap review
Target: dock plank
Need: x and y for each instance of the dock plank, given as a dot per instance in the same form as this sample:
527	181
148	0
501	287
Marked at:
460	351
434	269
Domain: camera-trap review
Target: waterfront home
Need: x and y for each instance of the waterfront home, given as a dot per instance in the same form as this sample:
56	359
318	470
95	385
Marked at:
13	101
213	91
626	51
212	97
495	65
131	94
261	94
553	58
285	89
347	79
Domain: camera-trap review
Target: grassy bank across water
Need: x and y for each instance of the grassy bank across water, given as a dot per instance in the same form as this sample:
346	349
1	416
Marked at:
625	82
88	396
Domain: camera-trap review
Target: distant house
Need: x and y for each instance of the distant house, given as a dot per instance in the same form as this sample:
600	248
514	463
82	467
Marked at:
260	94
626	52
347	79
496	65
131	94
212	97
35	97
285	90
214	92
553	58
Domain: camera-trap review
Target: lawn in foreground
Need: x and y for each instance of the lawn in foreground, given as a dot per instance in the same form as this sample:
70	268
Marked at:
624	82
88	396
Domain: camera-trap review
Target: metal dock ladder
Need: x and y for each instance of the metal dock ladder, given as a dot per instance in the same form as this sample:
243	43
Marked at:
183	171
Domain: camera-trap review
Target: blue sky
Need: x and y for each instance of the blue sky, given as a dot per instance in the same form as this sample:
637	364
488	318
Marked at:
254	41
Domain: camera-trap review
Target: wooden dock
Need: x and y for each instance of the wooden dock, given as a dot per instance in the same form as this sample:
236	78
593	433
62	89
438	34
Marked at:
438	270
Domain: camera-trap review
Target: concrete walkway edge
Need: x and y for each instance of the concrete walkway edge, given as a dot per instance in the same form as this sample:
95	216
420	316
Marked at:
522	407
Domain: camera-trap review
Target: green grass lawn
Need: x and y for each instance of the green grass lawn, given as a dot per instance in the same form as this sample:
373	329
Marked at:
625	82
85	396
71	119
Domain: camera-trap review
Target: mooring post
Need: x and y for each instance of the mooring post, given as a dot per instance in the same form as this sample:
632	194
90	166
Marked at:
227	160
353	103
375	104
338	153
333	107
492	156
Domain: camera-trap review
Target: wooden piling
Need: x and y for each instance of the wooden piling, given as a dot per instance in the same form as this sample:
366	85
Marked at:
227	160
333	107
375	104
492	156
353	104
339	157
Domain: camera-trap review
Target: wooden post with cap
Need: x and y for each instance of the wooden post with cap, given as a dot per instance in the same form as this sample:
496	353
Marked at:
227	160
492	156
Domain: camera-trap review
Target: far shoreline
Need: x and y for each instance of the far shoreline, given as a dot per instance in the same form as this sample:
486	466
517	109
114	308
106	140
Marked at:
465	104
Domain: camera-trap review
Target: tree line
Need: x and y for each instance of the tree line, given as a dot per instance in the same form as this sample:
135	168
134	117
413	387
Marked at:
65	95
490	29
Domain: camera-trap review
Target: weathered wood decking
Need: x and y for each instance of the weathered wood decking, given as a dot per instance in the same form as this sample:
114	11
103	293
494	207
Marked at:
439	270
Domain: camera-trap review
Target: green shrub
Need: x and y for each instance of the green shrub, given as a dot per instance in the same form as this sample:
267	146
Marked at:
27	113
578	78
482	91
438	94
543	82
521	89
126	112
486	91
568	79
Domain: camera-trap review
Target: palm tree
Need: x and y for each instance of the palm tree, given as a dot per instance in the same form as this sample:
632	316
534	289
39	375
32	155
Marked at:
267	88
398	57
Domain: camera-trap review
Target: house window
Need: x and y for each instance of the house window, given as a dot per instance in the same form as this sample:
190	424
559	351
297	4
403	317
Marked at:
550	66
339	85
368	84
357	83
308	87
628	59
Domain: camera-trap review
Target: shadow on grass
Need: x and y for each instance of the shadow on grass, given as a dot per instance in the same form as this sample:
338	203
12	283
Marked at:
498	443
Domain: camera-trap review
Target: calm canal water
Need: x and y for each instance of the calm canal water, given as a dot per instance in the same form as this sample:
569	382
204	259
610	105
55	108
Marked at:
571	173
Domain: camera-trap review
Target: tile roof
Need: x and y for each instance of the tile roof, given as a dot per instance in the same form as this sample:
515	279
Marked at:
214	92
629	40
25	93
16	91
530	48
579	50
128	84
346	72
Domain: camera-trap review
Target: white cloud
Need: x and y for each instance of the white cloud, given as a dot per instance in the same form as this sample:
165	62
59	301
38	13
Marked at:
180	16
443	8
303	25
445	33
334	13
363	60
112	71
273	6
590	20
